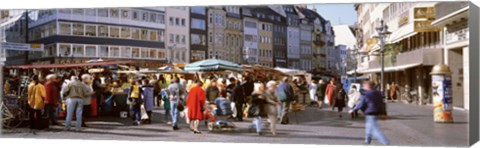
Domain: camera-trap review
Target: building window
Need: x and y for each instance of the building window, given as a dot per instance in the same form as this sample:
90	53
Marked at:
125	13
65	28
90	30
177	21
184	39
114	32
171	38
161	35
114	12
171	21
125	32
197	39
153	17
136	52
135	33
198	10
198	24
103	52
64	50
102	12
65	11
114	52
103	31
177	38
78	29
144	35
161	18
153	35
77	11
90	51
210	18
78	51
153	53
183	22
126	52
144	53
161	54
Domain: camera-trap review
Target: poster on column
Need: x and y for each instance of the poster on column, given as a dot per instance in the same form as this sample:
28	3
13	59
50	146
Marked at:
442	100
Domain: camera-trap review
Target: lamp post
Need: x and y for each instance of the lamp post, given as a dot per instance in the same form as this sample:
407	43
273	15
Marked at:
382	35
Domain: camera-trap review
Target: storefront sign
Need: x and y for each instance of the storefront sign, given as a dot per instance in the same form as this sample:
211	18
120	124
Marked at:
442	98
424	13
22	46
403	19
4	14
151	64
425	26
370	43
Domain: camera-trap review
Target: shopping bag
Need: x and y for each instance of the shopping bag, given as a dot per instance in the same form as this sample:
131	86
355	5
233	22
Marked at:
326	100
143	113
234	109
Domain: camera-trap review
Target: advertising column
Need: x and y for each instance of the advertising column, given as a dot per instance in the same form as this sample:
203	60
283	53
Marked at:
442	94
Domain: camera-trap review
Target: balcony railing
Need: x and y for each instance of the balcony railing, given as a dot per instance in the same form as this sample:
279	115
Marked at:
457	36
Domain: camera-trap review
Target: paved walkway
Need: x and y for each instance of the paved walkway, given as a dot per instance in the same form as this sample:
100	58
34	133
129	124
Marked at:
407	125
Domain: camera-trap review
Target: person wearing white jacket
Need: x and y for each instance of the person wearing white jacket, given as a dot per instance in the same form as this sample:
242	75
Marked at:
354	98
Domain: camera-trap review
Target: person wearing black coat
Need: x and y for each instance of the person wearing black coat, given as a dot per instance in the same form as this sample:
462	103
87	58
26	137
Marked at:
341	100
238	96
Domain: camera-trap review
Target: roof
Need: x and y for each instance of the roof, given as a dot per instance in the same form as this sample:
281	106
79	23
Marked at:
106	63
267	11
311	15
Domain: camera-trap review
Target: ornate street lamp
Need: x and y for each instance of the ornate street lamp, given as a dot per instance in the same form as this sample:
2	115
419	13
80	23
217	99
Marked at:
383	33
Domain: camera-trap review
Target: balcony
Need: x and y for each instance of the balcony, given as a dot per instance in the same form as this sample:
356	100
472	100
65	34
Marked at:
425	56
458	32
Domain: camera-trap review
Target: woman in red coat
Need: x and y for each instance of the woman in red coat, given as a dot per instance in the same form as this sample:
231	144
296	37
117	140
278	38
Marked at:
195	104
331	93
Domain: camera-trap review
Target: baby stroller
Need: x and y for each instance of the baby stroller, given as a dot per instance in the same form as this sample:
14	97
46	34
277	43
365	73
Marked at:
216	118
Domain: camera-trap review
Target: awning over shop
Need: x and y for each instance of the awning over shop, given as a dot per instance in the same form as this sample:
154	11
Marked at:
71	65
402	33
390	69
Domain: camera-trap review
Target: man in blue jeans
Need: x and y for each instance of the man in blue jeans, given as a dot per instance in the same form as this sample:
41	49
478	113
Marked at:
75	92
372	104
175	94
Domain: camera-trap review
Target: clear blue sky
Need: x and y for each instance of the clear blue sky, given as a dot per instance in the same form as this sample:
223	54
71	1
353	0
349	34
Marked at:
345	13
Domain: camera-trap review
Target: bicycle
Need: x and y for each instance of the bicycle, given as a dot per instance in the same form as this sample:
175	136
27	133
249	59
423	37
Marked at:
12	112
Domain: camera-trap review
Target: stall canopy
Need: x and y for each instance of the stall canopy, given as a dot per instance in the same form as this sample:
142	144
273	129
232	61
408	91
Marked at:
171	69
213	65
37	66
291	71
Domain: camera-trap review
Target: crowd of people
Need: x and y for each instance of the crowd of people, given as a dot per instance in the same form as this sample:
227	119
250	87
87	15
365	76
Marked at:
260	100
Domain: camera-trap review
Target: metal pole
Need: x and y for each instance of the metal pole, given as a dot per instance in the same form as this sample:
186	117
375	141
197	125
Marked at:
356	65
382	44
26	35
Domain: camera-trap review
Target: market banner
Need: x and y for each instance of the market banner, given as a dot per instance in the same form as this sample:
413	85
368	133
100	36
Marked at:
370	43
22	46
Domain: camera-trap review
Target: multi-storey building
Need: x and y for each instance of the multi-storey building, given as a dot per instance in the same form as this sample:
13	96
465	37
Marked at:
345	35
306	28
318	44
328	37
452	20
250	36
13	30
293	37
234	34
265	39
74	35
178	42
413	46
216	32
198	33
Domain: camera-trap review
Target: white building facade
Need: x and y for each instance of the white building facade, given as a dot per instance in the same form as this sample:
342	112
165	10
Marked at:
177	34
250	37
76	35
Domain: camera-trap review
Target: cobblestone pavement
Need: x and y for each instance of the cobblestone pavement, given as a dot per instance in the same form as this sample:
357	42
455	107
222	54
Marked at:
406	125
